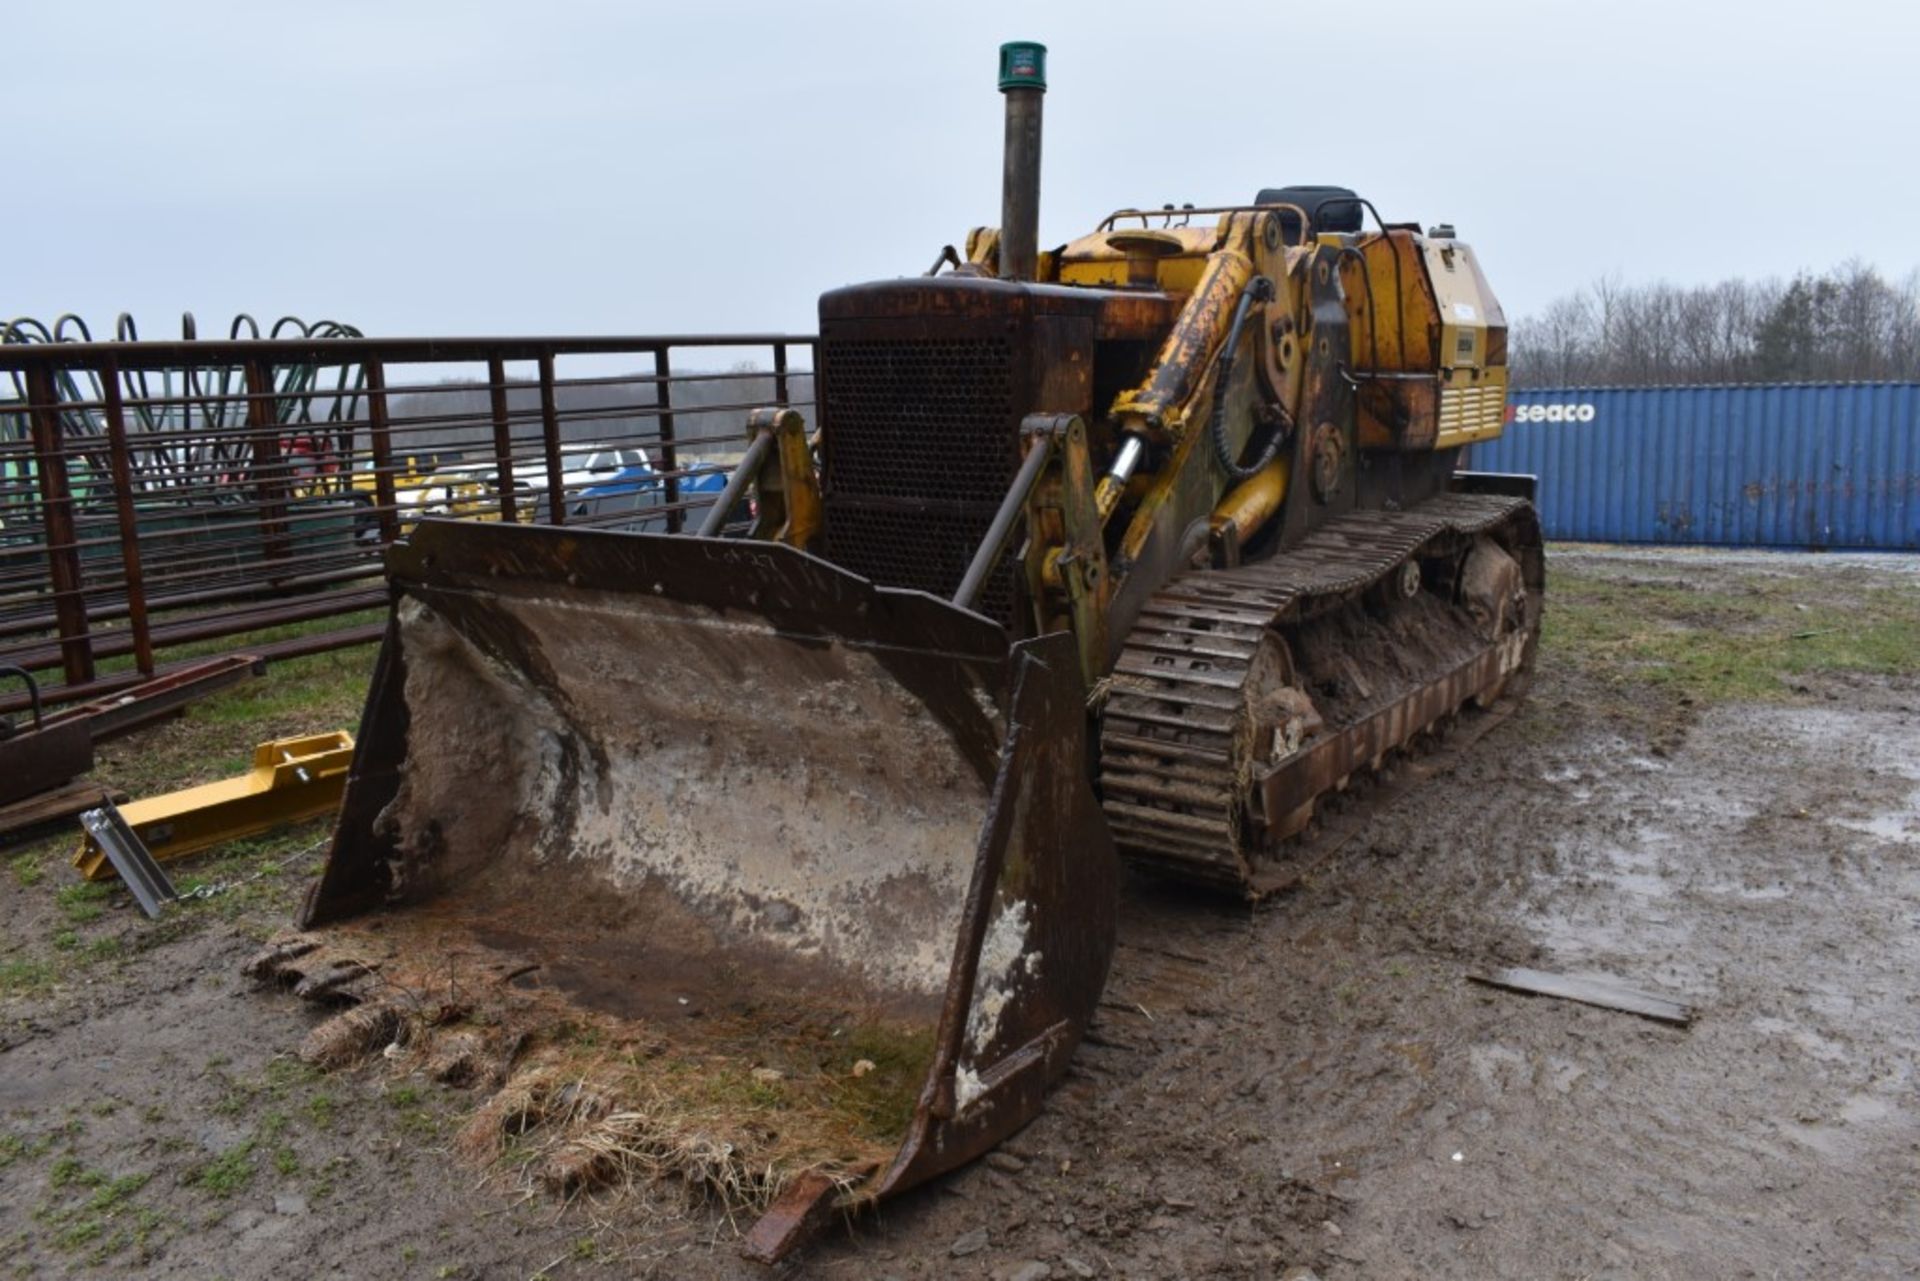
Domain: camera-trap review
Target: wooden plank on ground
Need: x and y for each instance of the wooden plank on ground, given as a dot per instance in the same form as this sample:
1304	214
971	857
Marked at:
24	817
1610	996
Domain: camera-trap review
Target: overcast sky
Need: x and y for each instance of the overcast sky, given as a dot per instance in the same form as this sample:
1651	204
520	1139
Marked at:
473	167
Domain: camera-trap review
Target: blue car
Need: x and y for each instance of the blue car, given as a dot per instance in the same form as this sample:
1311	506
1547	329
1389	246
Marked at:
627	500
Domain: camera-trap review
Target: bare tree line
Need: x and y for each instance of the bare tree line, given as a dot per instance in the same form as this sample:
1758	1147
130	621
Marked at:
709	411
1845	325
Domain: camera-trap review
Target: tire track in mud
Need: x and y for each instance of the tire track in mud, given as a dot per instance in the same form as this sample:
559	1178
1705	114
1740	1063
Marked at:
1170	1147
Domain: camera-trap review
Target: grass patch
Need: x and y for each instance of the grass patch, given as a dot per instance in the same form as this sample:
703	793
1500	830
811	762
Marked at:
228	1173
79	1224
286	1074
878	1102
278	1085
1748	638
323	1180
83	902
216	738
70	1170
420	1123
333	684
260	877
234	1168
27	868
24	976
114	1191
237	1098
107	947
14	1149
416	1118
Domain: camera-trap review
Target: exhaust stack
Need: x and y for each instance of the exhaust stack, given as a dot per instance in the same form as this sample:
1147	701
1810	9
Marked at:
1023	79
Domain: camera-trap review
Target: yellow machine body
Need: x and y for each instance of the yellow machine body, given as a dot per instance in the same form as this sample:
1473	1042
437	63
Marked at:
292	779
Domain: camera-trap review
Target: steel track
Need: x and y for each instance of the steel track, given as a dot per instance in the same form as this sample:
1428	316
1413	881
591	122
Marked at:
1176	787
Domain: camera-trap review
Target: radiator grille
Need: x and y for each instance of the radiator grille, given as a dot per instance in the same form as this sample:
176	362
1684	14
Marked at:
923	550
918	418
1475	413
920	451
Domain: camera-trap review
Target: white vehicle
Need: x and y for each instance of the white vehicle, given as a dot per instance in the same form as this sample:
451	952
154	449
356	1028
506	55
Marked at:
579	468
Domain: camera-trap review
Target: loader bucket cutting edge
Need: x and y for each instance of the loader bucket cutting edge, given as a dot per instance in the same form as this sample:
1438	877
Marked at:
788	845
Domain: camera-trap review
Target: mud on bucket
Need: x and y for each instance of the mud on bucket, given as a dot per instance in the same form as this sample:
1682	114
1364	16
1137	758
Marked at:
714	862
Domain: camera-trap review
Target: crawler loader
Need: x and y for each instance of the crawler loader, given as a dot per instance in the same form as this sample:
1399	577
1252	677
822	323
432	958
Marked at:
787	863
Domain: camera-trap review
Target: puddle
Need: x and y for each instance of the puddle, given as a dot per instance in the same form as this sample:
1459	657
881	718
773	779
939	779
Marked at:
1681	872
1750	893
1865	1109
1825	1141
1627	897
1896	827
1812	1043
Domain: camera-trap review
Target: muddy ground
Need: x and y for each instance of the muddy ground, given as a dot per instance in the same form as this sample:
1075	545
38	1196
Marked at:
1712	794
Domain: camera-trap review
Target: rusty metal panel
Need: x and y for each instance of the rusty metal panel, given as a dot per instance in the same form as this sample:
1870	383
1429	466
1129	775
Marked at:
923	387
1794	465
159	494
41	759
923	425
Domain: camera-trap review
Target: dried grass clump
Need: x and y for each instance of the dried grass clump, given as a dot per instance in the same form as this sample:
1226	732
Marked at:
457	1058
726	1132
515	1108
632	1147
348	1037
731	1108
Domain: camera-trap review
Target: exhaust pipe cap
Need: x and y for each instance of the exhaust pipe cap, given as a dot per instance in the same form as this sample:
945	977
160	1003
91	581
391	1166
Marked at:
1023	65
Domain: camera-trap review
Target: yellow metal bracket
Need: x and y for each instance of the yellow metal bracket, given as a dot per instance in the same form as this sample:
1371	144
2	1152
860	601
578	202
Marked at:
1066	555
291	779
786	486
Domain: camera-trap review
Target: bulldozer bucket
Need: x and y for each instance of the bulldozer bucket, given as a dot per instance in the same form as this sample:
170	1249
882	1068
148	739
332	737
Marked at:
758	858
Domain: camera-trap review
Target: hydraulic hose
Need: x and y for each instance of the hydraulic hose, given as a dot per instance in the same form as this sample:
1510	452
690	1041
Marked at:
1259	289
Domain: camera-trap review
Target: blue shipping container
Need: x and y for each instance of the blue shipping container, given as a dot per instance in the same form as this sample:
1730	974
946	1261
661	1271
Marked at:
1825	465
